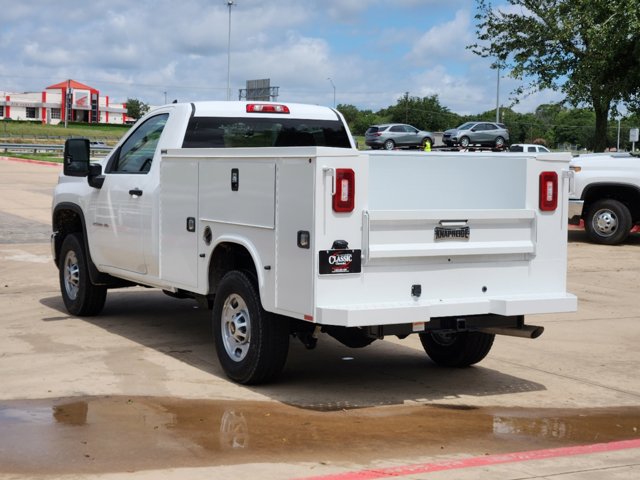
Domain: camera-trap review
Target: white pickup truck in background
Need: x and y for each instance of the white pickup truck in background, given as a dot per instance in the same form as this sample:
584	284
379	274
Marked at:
269	214
606	195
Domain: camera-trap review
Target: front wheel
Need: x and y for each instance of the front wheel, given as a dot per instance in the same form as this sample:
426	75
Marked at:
499	142
457	349
251	343
465	142
80	296
608	222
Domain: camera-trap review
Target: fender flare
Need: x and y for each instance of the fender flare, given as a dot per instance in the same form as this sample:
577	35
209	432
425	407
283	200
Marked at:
96	277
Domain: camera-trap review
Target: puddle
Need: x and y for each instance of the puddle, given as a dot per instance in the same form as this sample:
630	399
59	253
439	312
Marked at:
124	434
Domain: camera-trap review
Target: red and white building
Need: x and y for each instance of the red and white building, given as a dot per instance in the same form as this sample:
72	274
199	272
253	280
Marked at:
70	100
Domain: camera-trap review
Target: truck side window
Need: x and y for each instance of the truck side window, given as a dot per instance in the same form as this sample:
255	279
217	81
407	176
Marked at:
136	153
234	132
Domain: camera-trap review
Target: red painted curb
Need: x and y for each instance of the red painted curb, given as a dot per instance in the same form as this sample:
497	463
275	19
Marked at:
480	461
27	160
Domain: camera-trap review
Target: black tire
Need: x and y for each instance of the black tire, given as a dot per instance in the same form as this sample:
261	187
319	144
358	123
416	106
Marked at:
499	142
465	142
389	145
608	222
81	297
251	343
424	142
460	349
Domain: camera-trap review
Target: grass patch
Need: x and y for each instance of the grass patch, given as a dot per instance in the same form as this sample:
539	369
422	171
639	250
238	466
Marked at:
35	132
45	157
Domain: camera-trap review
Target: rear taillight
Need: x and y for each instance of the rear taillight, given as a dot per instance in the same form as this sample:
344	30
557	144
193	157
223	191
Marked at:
548	191
266	108
345	194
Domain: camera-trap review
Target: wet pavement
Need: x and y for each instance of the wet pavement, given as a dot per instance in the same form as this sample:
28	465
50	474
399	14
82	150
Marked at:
137	392
125	434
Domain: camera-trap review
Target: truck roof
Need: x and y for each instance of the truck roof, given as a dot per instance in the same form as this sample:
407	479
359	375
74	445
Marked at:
239	109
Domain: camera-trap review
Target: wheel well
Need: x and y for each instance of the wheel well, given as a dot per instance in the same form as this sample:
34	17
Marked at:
64	222
629	196
67	219
227	257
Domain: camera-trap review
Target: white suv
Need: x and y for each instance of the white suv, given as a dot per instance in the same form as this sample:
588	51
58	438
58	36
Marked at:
528	147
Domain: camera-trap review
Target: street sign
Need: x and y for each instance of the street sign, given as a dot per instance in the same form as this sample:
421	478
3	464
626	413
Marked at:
634	134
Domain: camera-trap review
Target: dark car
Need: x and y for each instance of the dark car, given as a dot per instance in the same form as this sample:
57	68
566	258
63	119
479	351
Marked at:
395	135
486	134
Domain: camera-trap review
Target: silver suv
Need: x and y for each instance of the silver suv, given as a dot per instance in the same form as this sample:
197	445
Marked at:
392	135
486	134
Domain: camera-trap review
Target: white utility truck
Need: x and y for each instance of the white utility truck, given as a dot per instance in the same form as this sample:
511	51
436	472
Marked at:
269	214
606	195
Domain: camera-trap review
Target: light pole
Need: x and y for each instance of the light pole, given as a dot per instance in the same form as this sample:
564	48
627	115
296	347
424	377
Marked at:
498	97
229	4
334	92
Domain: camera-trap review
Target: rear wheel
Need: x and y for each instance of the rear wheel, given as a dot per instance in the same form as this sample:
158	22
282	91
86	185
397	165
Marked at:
80	296
389	145
608	222
458	349
251	343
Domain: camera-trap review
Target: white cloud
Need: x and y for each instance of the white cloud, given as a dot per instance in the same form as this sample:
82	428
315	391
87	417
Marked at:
447	40
346	10
144	48
458	93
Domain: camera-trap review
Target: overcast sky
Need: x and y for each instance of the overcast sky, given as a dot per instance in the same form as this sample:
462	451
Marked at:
371	50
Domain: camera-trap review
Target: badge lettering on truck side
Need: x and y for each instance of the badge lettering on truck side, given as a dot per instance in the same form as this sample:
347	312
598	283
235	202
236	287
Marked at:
452	233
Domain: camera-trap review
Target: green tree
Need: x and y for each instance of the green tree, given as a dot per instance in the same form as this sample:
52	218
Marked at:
576	127
425	113
590	51
365	119
359	120
349	112
136	108
628	122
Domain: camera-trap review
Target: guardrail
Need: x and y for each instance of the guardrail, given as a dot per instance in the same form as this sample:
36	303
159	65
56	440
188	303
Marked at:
43	148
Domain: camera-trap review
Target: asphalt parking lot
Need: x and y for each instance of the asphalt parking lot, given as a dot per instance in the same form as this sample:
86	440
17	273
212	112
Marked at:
137	392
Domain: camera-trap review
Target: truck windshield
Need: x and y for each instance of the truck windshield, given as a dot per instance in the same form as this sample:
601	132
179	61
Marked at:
228	132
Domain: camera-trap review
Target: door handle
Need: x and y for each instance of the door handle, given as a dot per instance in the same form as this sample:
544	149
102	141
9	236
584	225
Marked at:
135	192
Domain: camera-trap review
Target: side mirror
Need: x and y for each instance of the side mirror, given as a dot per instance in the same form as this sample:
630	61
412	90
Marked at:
96	179
76	157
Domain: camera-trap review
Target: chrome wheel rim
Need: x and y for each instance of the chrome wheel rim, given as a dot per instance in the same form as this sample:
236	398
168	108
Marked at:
605	222
71	275
236	328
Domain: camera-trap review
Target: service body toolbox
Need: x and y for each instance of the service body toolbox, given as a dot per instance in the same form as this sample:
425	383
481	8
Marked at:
268	213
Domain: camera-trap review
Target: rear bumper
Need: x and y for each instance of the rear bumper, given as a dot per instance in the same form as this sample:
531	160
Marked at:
419	311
